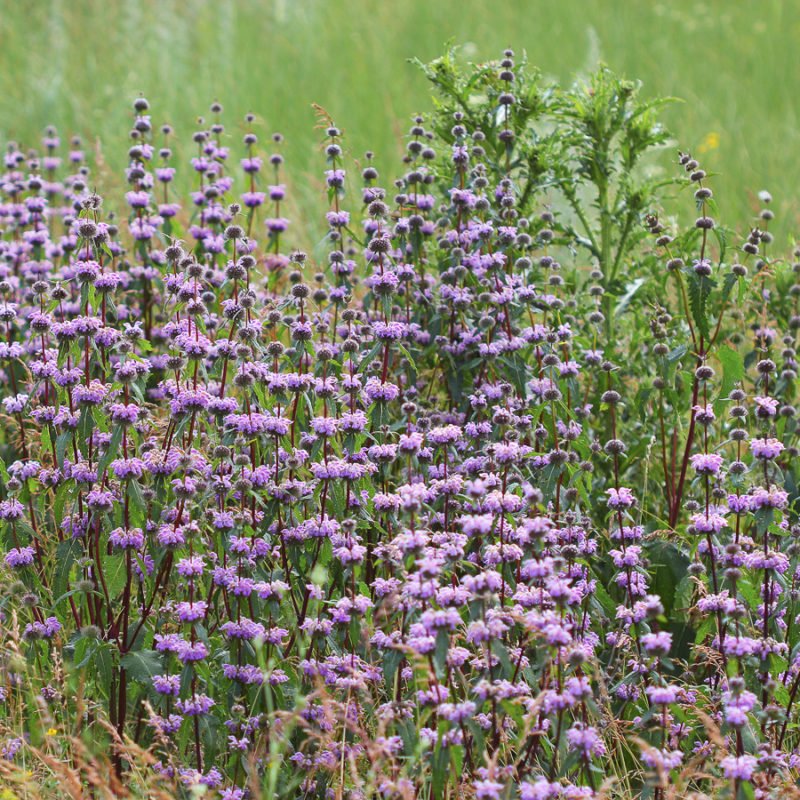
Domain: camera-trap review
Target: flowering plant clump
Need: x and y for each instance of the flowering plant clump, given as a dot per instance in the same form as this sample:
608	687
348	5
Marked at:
491	494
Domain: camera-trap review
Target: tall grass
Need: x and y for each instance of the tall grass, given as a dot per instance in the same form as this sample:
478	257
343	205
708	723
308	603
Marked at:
78	63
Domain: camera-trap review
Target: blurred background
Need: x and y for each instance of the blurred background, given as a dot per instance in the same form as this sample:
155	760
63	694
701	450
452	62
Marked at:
78	64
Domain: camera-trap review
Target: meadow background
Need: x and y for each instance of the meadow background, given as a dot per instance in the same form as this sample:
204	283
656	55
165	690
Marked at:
78	64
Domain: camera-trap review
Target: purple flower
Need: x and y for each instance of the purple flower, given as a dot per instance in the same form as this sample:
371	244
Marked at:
766	449
197	705
20	557
766	407
189	612
126	539
739	768
706	463
657	644
487	790
11	509
620	498
585	740
167	684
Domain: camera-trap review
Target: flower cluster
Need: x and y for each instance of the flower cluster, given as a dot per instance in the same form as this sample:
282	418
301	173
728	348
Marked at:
399	513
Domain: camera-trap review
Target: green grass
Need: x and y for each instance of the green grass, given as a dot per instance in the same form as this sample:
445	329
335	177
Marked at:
78	64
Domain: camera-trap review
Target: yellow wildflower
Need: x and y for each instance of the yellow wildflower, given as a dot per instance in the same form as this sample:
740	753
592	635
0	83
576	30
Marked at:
711	142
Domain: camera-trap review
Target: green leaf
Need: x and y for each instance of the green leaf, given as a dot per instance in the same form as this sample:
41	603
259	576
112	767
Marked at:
136	505
379	415
678	353
61	498
61	446
391	661
749	593
337	498
407	355
668	568
66	554
608	605
519	372
440	767
732	369
683	596
440	654
46	442
706	629
115	573
103	664
727	285
110	453
85	424
367	360
699	288
141	665
630	291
